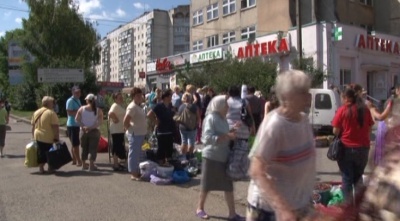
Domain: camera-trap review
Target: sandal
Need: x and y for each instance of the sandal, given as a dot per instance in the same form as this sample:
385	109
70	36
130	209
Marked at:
85	166
135	178
202	214
237	218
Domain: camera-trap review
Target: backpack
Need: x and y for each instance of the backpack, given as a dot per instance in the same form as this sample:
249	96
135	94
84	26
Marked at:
187	118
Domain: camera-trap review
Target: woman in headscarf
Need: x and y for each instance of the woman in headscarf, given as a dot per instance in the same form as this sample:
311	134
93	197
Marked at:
216	137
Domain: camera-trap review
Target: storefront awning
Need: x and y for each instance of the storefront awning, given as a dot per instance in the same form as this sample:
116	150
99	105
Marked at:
375	67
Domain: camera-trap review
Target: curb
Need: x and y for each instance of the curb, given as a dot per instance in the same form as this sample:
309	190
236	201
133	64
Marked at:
63	130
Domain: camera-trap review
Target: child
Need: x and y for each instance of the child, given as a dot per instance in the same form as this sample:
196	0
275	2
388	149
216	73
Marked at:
4	117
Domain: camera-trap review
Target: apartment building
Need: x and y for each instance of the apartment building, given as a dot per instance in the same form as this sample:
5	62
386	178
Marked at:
127	49
217	22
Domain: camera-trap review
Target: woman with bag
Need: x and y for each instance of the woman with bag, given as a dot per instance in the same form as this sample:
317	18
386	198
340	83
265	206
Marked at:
352	123
116	116
162	114
216	138
188	135
89	117
135	126
45	130
282	168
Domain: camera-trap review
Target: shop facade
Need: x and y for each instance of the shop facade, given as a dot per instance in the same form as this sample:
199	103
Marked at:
369	59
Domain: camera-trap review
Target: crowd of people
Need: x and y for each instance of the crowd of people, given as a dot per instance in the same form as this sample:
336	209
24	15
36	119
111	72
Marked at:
281	162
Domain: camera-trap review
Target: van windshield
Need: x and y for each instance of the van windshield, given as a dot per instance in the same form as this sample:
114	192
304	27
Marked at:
323	101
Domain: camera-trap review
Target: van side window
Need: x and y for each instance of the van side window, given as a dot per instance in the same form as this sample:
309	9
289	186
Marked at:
323	102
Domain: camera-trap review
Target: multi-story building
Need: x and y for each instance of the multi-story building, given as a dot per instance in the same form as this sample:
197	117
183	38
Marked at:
103	70
154	34
217	22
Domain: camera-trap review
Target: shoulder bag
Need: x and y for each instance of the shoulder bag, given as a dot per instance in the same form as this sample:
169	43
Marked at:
335	151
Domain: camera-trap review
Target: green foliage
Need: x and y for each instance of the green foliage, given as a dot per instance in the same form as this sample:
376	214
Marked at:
316	74
58	37
221	75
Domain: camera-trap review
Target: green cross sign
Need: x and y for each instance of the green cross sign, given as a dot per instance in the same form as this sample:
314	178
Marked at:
337	34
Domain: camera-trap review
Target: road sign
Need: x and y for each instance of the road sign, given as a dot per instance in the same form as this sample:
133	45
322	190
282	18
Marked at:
60	75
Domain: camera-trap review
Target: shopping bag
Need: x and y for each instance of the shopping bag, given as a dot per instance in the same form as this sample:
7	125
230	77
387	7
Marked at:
31	159
103	145
58	156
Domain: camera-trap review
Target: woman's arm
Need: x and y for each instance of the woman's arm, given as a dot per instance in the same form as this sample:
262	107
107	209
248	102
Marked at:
152	116
336	131
384	114
113	117
100	117
56	131
209	135
78	117
259	174
127	121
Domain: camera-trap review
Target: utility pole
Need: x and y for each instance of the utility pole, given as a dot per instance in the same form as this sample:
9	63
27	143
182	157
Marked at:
299	35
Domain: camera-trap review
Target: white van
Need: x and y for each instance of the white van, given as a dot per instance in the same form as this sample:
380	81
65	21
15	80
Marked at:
324	104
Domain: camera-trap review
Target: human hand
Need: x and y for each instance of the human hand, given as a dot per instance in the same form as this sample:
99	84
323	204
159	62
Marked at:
369	104
231	135
285	215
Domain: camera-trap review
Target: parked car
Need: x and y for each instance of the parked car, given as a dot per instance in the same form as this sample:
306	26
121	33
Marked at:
324	104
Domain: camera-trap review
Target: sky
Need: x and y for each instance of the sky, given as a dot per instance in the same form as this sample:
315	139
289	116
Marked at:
107	14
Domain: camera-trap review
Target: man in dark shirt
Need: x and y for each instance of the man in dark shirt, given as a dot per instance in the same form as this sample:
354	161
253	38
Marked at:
255	105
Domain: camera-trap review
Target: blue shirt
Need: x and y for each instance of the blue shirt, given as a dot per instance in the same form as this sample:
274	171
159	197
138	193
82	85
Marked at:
73	104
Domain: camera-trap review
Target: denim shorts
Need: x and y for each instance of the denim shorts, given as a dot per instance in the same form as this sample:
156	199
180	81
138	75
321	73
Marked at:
188	137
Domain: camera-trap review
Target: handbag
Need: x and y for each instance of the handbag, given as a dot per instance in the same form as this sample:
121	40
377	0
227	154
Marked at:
31	155
58	156
238	162
245	115
335	150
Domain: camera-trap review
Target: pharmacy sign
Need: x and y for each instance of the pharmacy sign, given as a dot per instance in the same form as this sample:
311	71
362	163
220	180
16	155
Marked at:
209	55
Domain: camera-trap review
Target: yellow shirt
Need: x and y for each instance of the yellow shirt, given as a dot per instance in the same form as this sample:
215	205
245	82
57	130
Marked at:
43	130
119	111
138	119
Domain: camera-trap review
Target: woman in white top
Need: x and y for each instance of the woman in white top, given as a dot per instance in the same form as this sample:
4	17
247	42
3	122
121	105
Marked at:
282	167
89	118
116	116
135	126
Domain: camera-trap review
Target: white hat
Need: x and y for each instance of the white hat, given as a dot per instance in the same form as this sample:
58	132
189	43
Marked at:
90	97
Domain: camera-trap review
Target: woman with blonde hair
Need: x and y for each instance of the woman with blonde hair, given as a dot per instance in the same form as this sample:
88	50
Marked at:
116	116
216	138
282	168
45	130
89	117
188	135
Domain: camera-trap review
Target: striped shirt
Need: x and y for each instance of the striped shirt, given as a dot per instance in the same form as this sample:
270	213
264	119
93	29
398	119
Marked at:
288	148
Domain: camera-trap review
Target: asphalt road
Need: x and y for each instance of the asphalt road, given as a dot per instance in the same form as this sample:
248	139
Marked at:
72	194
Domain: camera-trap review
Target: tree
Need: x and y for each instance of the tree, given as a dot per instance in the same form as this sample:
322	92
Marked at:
223	74
316	74
58	37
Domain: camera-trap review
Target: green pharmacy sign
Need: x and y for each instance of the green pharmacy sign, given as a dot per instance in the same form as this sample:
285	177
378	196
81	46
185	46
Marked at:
209	55
337	33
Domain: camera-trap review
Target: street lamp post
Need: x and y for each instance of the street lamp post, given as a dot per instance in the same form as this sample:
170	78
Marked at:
299	35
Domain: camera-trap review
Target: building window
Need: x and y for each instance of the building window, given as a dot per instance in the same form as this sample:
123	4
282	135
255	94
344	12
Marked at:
367	2
198	17
228	37
212	41
212	11
197	45
248	3
249	32
228	6
345	77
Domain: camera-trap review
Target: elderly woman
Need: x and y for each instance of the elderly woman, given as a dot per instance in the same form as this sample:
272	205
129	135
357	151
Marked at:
162	114
282	166
116	116
135	126
89	117
45	130
216	137
176	98
188	135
